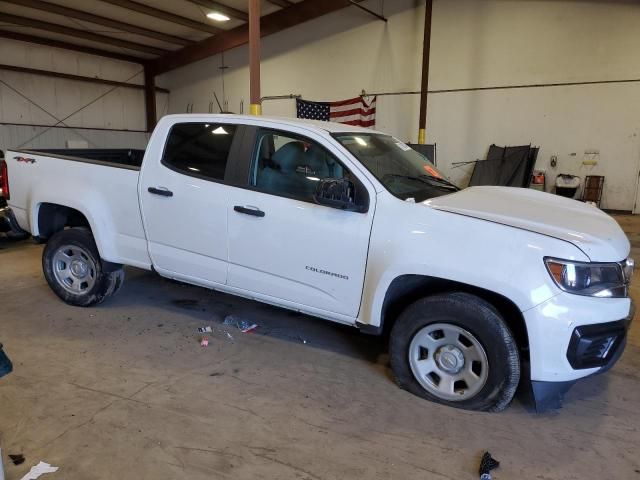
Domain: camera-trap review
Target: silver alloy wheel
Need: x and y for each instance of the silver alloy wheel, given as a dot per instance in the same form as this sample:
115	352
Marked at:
448	361
74	269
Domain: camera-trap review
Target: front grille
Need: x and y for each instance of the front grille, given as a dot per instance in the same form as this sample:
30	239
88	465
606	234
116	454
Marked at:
594	346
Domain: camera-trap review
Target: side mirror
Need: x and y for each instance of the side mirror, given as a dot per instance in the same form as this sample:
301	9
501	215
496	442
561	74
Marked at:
339	193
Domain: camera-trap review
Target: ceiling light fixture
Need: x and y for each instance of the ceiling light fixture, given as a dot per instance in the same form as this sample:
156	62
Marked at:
218	17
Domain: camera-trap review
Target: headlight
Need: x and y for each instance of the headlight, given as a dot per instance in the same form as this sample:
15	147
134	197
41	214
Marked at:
591	279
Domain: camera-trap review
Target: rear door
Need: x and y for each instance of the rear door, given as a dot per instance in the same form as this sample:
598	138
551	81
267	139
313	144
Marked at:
282	244
184	199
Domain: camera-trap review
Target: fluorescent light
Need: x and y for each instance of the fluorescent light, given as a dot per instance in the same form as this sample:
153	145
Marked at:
219	131
218	17
361	141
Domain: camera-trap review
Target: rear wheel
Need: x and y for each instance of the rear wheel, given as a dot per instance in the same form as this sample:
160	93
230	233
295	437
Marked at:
455	349
74	270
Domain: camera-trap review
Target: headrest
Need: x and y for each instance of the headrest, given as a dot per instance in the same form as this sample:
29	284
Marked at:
289	156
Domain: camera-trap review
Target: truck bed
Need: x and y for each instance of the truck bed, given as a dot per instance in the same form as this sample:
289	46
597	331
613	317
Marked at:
116	157
100	184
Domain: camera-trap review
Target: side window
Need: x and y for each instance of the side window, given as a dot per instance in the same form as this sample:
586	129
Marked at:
199	149
291	166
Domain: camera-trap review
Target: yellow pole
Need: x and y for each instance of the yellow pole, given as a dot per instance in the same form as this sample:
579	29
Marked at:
422	136
255	109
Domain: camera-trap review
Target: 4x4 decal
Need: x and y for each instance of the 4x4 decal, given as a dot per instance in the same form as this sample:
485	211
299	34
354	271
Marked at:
25	159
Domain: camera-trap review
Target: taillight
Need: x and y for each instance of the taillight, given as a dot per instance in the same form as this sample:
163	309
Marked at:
4	179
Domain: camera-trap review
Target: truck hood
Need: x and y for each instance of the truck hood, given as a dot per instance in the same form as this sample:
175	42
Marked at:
594	232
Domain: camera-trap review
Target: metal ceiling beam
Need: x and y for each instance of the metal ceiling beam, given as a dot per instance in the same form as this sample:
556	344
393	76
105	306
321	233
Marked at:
98	20
74	32
272	23
220	8
164	15
368	10
281	3
76	78
22	37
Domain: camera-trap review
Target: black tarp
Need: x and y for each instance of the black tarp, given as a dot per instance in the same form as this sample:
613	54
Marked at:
426	149
505	166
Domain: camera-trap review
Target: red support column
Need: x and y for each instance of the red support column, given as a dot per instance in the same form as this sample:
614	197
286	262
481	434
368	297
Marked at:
255	107
426	50
150	98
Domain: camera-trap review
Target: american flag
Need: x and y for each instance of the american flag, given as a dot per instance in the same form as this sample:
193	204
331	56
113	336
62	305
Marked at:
355	111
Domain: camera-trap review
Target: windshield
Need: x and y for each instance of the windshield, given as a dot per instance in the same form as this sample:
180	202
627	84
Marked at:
403	171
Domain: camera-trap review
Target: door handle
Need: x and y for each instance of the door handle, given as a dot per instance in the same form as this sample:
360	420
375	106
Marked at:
256	212
160	191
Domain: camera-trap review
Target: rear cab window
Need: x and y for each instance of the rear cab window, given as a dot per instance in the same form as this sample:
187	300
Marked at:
199	149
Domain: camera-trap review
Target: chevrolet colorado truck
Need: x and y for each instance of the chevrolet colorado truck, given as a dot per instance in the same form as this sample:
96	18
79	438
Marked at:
476	288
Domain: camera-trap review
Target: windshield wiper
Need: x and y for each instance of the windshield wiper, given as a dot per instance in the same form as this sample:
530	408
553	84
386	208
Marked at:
441	181
429	180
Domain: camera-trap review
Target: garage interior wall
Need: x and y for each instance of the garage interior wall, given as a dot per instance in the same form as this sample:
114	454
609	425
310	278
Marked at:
475	44
120	110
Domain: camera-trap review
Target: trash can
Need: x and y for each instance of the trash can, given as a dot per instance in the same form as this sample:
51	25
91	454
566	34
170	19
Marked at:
5	364
567	185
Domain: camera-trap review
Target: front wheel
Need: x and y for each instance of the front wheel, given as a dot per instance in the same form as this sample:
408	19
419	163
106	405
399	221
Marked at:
74	270
455	349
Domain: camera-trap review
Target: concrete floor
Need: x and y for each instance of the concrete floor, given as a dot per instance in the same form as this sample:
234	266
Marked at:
125	391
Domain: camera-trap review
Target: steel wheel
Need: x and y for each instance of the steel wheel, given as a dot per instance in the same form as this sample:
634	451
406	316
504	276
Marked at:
448	361
74	269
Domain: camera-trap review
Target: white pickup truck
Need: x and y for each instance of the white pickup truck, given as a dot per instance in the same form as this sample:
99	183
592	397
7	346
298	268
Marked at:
476	289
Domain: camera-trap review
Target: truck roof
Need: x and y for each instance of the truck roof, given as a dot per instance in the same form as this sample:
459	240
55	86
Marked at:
331	127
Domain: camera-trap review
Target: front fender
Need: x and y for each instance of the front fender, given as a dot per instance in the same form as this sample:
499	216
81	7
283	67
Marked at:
414	239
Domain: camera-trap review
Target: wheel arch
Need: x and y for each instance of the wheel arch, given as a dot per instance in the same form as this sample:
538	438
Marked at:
53	217
406	289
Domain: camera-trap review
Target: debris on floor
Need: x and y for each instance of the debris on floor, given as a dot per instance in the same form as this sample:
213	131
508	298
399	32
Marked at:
17	459
487	464
39	470
243	325
205	330
204	342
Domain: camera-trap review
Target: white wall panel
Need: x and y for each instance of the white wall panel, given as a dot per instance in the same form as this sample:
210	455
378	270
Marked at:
121	109
475	43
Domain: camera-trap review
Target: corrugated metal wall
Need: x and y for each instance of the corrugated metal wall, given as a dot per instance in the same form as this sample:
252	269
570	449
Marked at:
110	117
19	136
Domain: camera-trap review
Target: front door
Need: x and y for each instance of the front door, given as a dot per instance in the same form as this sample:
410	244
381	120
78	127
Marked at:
282	244
184	198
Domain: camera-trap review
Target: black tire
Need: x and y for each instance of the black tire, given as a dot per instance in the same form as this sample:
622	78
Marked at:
108	276
480	319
